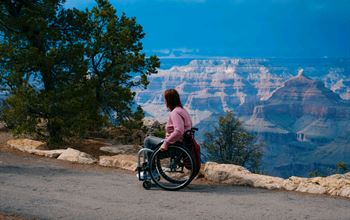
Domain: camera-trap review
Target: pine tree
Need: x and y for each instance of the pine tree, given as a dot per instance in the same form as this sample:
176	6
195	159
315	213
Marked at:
68	71
231	143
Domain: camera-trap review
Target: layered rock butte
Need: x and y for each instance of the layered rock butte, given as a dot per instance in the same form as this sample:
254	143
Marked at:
305	127
303	121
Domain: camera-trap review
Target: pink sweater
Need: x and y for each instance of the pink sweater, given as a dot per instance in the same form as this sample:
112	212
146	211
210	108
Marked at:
179	121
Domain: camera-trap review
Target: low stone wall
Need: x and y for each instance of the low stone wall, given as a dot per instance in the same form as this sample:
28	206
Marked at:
335	185
37	147
127	162
25	144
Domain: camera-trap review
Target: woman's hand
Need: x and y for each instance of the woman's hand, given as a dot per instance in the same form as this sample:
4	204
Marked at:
163	147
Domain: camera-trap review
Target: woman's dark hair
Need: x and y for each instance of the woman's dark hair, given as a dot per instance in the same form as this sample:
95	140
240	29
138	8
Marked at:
172	99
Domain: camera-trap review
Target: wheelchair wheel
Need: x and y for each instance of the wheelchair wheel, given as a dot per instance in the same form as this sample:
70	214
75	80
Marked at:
147	184
175	168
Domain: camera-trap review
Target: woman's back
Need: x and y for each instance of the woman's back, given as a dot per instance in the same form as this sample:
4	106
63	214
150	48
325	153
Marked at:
178	119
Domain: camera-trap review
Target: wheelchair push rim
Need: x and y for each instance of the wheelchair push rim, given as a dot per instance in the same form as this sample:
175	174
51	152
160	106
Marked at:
175	167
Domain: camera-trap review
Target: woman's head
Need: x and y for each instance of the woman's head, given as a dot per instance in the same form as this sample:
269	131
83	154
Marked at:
172	99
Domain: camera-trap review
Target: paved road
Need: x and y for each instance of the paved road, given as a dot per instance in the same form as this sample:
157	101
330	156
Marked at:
40	188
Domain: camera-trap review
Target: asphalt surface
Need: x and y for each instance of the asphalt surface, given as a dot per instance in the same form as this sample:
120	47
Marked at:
40	188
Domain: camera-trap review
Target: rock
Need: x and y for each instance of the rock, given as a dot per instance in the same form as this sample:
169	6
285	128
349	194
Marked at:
150	123
292	183
345	191
127	162
224	173
47	153
331	185
337	184
26	144
77	156
288	185
201	173
121	149
333	182
311	188
266	182
237	175
347	175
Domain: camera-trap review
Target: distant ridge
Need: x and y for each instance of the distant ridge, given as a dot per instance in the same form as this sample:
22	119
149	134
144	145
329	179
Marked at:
304	89
296	106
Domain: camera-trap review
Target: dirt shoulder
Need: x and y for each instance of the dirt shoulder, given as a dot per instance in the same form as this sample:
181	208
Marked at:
6	217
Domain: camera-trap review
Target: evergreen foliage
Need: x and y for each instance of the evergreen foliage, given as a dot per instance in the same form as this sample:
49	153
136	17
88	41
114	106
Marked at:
341	167
231	143
68	72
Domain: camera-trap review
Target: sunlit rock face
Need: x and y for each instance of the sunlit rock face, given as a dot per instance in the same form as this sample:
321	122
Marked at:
218	85
302	123
304	106
298	107
212	86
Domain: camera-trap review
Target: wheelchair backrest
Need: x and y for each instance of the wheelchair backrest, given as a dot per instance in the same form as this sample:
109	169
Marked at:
188	136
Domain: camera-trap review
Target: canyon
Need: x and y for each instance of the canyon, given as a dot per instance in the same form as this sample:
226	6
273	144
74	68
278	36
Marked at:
299	108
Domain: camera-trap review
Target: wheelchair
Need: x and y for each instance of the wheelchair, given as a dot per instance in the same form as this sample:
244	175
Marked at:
172	169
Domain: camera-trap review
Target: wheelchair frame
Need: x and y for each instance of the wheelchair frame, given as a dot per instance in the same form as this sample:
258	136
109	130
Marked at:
144	164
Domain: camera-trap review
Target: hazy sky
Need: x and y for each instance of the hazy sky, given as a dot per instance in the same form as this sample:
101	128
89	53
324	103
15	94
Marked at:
240	28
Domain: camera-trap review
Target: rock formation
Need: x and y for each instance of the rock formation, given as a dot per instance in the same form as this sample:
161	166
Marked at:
297	121
33	147
217	85
299	117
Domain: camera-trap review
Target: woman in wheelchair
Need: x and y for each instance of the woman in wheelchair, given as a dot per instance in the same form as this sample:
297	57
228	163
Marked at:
169	162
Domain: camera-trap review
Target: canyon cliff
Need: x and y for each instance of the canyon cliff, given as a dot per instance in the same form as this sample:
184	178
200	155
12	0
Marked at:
299	108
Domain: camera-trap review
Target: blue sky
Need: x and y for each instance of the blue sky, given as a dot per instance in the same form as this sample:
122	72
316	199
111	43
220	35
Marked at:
240	28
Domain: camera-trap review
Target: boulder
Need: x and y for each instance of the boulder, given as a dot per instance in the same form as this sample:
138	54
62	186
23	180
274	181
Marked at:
335	185
237	175
266	182
345	191
127	162
224	173
25	144
77	156
292	183
311	188
332	182
201	172
47	153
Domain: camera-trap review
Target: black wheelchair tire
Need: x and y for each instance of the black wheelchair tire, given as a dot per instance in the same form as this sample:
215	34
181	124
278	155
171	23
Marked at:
181	184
